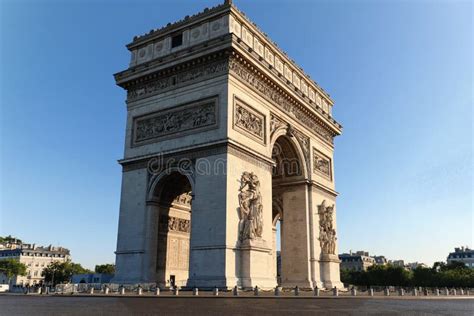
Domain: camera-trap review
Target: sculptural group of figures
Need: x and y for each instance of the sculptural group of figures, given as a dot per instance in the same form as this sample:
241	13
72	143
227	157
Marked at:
327	233
251	208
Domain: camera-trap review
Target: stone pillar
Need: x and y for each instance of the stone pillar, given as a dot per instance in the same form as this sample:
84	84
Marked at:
295	260
274	252
130	252
209	254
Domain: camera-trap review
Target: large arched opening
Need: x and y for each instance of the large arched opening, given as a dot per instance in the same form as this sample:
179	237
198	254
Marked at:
172	198
288	208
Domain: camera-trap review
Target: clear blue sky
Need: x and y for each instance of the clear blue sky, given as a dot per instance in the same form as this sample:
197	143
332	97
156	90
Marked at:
400	73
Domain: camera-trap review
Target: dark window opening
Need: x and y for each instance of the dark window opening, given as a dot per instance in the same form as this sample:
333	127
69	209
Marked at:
177	40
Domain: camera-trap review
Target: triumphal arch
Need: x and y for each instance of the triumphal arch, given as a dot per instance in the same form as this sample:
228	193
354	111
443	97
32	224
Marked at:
226	137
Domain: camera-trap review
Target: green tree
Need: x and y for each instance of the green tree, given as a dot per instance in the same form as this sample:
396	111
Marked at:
386	275
11	268
105	268
61	272
424	277
9	238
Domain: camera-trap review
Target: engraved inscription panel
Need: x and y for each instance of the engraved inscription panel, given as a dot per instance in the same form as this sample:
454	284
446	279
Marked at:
191	117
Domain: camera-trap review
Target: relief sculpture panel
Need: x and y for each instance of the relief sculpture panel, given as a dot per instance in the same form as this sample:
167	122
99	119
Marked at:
180	119
321	164
249	121
175	224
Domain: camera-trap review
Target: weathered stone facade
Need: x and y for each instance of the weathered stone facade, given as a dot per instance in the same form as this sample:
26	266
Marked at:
225	136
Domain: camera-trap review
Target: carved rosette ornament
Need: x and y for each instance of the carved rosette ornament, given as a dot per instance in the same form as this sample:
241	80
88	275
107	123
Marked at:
251	208
327	233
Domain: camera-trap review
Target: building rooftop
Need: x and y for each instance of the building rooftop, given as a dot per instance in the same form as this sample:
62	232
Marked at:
462	250
206	13
225	26
31	248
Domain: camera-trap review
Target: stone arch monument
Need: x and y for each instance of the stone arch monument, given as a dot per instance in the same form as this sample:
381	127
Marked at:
226	136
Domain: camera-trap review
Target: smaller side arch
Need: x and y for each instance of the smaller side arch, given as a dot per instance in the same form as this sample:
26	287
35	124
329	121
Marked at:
156	180
286	132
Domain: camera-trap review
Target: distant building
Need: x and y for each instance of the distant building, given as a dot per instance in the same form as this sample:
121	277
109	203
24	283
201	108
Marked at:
414	265
464	255
358	261
92	278
397	263
34	257
380	260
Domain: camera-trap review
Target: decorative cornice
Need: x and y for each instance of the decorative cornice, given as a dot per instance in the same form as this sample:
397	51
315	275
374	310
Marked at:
173	77
324	188
274	48
236	17
217	64
268	89
311	98
194	152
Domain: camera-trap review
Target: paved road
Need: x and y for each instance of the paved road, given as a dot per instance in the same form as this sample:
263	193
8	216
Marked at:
67	305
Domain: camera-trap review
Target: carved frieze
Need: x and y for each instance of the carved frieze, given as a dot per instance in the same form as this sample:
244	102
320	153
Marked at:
175	224
249	121
321	164
327	233
272	94
175	79
251	208
183	199
180	119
